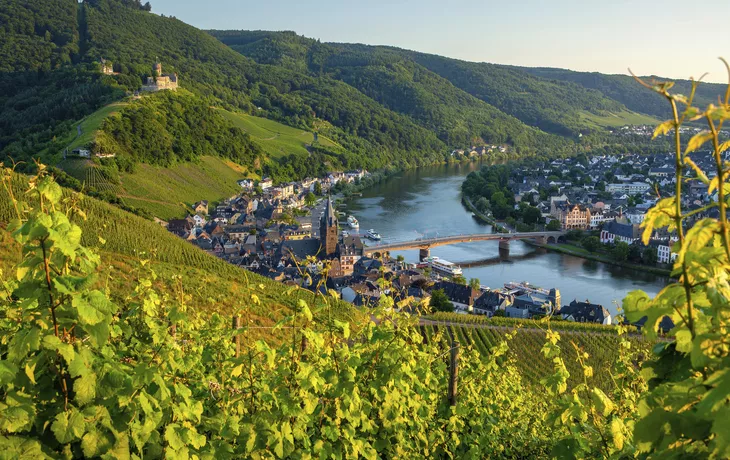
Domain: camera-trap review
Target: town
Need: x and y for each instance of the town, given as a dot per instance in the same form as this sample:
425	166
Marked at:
292	233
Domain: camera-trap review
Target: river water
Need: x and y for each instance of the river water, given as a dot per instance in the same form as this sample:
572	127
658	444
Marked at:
426	202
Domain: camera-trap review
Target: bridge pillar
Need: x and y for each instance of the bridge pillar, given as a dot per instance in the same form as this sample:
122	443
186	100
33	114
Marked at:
541	239
504	248
424	253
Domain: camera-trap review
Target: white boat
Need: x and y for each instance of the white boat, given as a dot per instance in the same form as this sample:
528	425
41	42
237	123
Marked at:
373	235
444	266
352	222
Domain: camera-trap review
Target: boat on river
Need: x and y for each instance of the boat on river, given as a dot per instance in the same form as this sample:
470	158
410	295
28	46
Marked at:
352	222
373	235
443	266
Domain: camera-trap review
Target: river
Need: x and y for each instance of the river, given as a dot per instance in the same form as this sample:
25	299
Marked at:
426	202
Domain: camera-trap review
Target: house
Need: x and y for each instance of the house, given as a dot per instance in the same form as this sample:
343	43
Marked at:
180	227
663	250
246	184
81	153
461	296
585	312
491	301
635	215
573	216
201	207
266	183
613	231
237	232
350	250
661	172
628	187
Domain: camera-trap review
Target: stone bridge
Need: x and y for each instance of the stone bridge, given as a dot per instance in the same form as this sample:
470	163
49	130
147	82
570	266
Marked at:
425	244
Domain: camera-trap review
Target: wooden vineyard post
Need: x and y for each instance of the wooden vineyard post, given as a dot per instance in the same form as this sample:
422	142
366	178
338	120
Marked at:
237	337
453	372
173	331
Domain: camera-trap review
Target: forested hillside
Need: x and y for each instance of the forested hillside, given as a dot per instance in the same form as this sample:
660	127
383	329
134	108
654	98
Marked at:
416	89
625	90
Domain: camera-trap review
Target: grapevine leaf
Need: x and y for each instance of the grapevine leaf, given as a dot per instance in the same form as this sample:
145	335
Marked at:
68	426
603	403
85	388
12	447
8	371
617	428
663	128
697	140
173	438
23	342
30	372
51	342
88	314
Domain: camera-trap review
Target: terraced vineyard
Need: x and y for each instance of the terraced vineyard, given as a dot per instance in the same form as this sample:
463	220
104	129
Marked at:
526	347
94	178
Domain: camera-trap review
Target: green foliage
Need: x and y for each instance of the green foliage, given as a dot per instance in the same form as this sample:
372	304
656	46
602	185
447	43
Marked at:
591	243
553	225
440	301
620	251
148	376
168	127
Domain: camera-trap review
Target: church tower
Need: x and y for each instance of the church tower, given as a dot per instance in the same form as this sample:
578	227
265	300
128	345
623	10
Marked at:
328	231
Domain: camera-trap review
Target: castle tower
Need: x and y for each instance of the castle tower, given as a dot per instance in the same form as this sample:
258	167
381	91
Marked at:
157	69
328	230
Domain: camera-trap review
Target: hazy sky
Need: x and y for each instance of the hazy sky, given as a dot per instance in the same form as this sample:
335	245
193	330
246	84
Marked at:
592	35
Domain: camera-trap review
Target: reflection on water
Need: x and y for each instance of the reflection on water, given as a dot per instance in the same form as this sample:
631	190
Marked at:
426	203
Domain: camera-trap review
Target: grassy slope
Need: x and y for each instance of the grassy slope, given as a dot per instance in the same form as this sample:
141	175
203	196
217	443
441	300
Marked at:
90	124
276	139
169	192
212	284
616	119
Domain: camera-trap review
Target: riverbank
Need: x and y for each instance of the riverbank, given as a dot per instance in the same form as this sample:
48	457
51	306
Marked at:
483	217
582	253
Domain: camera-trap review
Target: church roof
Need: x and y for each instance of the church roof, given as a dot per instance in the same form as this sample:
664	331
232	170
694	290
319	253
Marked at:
329	217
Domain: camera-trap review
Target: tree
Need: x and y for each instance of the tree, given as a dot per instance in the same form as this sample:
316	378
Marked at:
531	215
475	284
483	204
459	279
591	243
310	200
440	301
634	253
650	256
620	251
318	188
500	314
553	225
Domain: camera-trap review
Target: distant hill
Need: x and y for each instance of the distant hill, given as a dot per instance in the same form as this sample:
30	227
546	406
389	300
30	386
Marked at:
372	106
624	89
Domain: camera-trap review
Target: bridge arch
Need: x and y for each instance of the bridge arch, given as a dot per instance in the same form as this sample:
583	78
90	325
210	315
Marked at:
561	239
551	240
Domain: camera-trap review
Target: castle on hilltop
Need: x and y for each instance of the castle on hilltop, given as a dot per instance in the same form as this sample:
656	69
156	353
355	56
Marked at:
159	81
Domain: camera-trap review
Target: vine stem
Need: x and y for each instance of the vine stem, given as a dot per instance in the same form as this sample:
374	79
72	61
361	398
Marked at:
47	268
720	185
678	211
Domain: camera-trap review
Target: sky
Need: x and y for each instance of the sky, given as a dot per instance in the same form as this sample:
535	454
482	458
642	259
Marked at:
670	38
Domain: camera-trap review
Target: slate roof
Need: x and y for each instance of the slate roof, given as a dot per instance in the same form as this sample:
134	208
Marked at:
585	312
624	230
457	292
300	248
